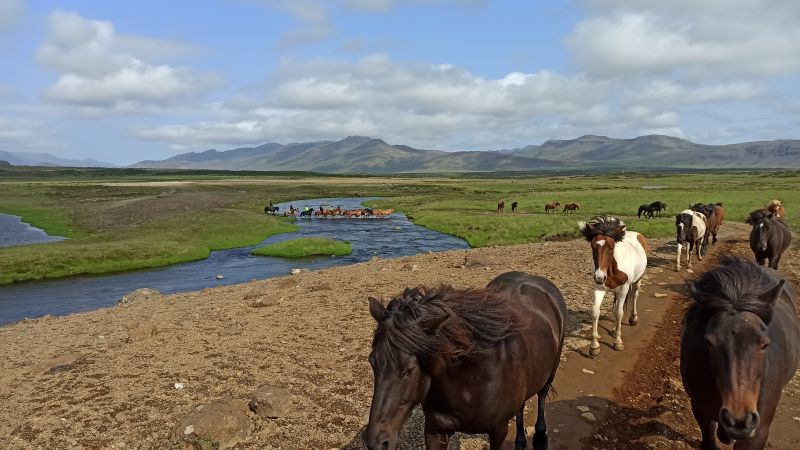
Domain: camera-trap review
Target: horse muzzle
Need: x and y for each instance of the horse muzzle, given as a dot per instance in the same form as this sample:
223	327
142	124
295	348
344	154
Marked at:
739	428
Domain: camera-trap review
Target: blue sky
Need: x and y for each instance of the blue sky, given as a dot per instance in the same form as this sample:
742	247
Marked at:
126	81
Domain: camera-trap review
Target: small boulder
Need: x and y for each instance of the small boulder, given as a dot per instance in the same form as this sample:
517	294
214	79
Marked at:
262	302
270	402
589	417
409	267
138	295
218	425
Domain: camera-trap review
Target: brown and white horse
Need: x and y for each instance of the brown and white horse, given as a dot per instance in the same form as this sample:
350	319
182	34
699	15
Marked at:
619	259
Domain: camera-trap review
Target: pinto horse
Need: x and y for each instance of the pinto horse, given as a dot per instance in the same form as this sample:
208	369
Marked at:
571	207
776	207
551	207
619	259
690	228
769	238
471	357
739	348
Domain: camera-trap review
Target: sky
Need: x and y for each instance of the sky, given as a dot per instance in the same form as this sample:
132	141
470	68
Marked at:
125	81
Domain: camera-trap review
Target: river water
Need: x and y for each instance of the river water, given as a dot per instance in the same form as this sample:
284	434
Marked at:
386	238
13	231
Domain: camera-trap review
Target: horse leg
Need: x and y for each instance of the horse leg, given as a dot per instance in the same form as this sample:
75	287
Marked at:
519	441
707	428
622	293
773	262
540	435
497	436
599	294
634	294
678	264
692	245
435	439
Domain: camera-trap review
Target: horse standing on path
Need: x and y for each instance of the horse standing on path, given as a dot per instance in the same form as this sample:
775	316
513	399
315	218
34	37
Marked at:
739	348
769	238
619	259
690	228
501	206
715	214
551	207
514	207
571	207
471	357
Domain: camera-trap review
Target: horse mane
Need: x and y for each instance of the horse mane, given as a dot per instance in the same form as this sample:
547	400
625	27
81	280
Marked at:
757	216
774	203
474	321
603	225
735	284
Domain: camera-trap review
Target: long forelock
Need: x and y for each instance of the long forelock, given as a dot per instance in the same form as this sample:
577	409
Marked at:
476	320
733	285
605	226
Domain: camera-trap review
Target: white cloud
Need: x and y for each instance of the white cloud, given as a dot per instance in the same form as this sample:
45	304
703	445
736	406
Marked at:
689	38
18	134
102	71
10	13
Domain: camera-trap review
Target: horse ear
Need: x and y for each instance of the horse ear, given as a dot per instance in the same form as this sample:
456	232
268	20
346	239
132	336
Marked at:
772	295
620	228
432	325
377	309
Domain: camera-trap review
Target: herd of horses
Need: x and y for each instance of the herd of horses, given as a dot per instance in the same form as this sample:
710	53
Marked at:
337	212
569	208
473	357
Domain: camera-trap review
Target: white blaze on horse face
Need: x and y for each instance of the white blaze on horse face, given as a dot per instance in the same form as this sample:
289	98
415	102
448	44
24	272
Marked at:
599	273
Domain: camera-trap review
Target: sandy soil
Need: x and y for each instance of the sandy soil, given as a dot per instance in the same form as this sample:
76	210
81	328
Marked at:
114	384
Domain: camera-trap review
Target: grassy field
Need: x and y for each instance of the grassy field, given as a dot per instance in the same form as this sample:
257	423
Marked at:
298	248
128	219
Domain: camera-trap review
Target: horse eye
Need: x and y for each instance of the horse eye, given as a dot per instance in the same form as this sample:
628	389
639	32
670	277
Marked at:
764	347
407	372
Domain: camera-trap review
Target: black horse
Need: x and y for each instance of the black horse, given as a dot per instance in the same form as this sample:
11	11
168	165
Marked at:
269	209
647	210
307	213
514	207
652	210
769	238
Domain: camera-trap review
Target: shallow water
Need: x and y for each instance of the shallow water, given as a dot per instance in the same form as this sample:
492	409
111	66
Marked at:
13	232
387	238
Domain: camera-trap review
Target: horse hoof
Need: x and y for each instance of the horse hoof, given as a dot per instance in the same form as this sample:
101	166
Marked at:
633	322
540	441
594	351
619	346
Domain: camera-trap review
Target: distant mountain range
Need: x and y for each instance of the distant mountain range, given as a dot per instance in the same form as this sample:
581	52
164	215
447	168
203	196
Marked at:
359	154
46	159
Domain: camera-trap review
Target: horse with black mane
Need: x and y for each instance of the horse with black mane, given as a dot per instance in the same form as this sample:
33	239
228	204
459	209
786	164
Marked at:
619	259
690	229
514	206
658	206
769	238
739	348
269	209
471	357
647	210
715	214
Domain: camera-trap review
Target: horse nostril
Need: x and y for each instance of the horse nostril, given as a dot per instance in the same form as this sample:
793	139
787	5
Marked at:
385	445
751	420
725	417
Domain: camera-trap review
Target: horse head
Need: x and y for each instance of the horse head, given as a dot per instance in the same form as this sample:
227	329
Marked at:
761	220
736	337
683	224
603	233
400	381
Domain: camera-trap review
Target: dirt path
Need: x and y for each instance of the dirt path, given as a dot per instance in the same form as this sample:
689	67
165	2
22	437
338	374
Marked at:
651	410
105	379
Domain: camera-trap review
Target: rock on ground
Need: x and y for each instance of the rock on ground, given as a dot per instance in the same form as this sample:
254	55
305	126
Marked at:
218	425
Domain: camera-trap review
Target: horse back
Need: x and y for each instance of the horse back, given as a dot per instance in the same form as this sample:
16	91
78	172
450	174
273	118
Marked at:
631	255
784	330
532	296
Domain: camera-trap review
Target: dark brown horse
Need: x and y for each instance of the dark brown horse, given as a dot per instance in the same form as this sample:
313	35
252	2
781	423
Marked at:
514	206
739	348
571	207
715	214
551	207
471	357
501	206
769	238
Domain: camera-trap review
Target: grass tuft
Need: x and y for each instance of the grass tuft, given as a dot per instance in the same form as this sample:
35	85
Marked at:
298	248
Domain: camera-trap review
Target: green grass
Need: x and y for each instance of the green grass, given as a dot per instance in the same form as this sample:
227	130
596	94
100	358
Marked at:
111	231
298	248
180	238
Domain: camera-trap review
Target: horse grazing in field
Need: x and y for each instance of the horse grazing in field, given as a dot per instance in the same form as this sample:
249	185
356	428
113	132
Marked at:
658	206
551	207
776	207
571	207
739	348
501	206
690	228
619	259
471	357
769	238
514	206
647	210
